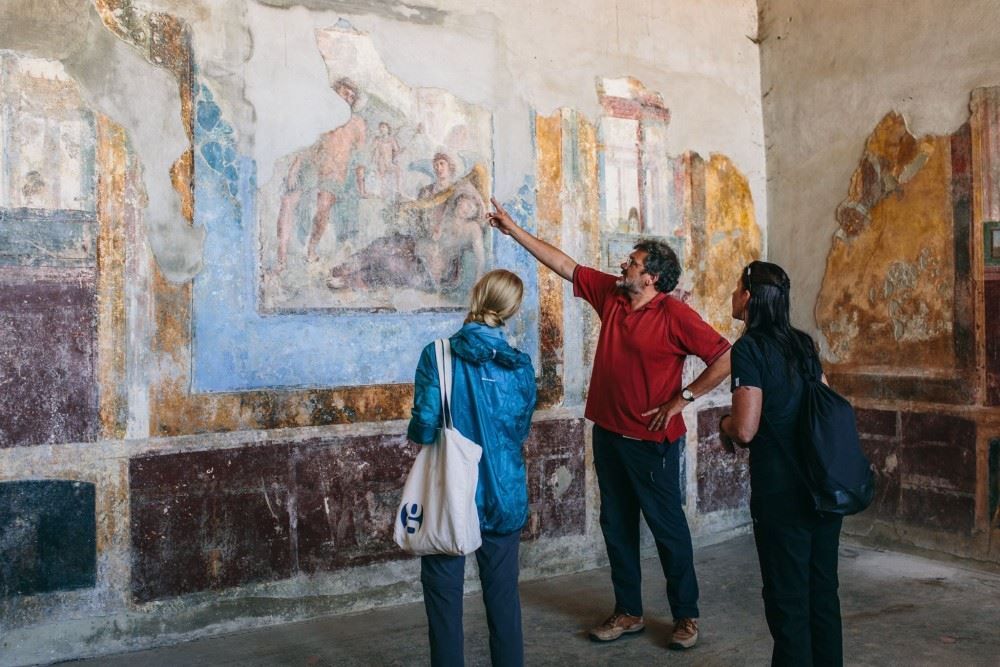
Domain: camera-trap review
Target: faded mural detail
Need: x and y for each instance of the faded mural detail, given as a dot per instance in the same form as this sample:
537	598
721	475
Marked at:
908	320
48	255
386	211
318	285
725	242
47	137
890	274
264	325
703	210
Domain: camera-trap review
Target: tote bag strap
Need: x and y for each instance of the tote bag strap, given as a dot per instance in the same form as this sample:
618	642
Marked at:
442	348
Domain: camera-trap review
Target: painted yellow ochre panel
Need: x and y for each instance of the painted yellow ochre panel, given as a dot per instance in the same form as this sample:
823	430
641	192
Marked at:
549	142
886	299
732	239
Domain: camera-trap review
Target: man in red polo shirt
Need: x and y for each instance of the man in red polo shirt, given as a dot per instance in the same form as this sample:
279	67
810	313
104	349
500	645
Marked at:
635	402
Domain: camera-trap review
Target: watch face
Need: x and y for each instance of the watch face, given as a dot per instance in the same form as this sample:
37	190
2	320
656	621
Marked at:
687	395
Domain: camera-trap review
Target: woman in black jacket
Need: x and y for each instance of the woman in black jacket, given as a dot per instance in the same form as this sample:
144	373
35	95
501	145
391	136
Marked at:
797	548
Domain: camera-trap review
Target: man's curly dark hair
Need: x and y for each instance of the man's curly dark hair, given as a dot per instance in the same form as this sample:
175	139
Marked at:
661	261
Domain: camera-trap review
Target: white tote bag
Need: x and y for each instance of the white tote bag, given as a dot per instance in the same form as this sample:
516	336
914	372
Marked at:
437	513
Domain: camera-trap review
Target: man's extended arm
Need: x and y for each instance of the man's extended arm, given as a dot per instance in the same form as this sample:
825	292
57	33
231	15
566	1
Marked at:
546	253
704	383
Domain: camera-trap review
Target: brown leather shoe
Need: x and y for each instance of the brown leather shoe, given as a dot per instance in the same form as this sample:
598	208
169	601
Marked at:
685	633
618	624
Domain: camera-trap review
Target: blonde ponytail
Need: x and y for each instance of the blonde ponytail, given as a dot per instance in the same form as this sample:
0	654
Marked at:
495	298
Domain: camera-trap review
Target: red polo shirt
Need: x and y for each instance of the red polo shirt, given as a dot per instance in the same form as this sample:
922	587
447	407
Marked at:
640	355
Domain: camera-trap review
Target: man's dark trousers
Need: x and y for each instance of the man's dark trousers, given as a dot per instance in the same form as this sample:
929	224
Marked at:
641	475
443	579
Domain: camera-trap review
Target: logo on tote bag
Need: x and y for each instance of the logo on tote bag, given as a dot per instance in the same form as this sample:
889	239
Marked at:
411	516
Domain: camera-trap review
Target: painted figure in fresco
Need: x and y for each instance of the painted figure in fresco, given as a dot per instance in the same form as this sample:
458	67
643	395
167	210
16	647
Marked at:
33	189
446	208
332	169
441	248
635	402
465	223
385	151
796	547
485	367
444	172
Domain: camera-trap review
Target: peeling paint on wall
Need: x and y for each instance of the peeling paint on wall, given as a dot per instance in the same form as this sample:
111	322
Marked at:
730	239
386	211
127	88
889	287
905	312
156	141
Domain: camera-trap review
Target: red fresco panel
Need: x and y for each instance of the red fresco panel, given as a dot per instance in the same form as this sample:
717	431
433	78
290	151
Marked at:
47	358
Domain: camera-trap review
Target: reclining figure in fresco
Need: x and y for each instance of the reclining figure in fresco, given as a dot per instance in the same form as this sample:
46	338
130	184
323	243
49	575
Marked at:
333	168
439	244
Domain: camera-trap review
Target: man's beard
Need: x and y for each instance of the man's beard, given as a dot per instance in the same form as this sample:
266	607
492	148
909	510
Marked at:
626	286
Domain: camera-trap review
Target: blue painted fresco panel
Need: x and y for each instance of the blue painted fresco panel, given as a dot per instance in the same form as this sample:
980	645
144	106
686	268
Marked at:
235	348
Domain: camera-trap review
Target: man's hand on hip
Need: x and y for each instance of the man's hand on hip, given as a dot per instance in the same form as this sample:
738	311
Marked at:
662	414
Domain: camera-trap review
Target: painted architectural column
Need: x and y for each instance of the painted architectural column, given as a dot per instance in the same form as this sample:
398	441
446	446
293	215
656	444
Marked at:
985	123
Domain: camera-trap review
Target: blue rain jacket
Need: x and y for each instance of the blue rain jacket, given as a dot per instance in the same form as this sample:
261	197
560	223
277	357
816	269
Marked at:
493	397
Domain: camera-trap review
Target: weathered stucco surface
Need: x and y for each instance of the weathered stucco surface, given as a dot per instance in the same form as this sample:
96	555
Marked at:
888	295
242	457
881	124
128	88
731	240
829	72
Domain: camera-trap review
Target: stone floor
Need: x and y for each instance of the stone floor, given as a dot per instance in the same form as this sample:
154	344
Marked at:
898	610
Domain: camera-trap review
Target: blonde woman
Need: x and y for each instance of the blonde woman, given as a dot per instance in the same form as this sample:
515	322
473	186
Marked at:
493	397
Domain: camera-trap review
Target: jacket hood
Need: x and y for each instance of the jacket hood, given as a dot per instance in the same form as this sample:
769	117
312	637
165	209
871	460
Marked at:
476	346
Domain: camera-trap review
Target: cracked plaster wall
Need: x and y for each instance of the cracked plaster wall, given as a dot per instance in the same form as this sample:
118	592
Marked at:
509	57
115	80
829	72
514	59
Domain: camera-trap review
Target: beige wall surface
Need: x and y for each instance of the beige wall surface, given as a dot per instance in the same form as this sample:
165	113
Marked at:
829	72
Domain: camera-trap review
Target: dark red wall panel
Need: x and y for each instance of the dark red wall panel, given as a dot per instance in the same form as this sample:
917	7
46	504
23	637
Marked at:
993	339
347	493
554	454
47	358
723	478
214	519
209	520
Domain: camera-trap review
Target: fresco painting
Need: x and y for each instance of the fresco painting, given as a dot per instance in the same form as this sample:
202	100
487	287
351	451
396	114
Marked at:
702	208
398	238
48	255
326	266
47	137
636	171
899	294
386	211
908	322
728	237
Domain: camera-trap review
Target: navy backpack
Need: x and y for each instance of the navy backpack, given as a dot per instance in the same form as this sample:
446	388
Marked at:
835	470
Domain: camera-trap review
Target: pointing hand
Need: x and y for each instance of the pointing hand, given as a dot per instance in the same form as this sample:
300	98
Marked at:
500	218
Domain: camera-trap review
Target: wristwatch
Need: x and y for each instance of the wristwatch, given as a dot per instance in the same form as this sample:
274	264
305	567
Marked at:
687	394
